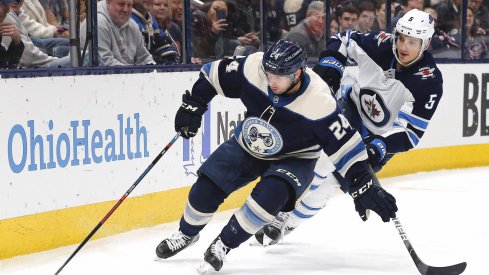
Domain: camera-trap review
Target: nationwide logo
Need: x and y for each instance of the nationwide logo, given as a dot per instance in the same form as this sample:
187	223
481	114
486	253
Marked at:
425	72
194	155
198	149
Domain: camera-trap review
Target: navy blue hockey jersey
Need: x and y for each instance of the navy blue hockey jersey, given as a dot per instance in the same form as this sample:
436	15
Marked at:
276	127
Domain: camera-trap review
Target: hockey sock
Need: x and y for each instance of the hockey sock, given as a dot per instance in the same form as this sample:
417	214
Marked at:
316	199
203	200
268	197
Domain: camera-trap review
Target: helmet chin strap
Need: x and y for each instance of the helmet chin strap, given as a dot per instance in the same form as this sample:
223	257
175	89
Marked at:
294	82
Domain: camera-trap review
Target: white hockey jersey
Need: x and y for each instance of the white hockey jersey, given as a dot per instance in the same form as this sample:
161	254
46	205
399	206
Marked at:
394	104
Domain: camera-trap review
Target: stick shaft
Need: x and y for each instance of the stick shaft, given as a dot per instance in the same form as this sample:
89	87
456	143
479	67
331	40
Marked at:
158	157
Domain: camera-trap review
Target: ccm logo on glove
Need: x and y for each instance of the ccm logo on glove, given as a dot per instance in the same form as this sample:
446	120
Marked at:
361	190
189	107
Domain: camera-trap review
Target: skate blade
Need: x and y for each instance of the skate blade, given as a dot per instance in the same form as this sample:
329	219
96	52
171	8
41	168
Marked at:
158	259
267	241
205	268
255	243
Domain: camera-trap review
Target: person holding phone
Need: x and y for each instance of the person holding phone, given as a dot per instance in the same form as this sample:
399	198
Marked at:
207	28
9	54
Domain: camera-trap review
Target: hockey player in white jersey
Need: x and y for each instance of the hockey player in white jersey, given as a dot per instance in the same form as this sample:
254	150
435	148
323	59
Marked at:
291	117
390	104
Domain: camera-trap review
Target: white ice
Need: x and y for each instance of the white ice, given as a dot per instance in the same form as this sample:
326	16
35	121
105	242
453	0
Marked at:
445	215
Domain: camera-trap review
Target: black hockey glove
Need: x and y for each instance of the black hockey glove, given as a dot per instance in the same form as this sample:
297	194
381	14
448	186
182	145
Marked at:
369	195
330	68
189	116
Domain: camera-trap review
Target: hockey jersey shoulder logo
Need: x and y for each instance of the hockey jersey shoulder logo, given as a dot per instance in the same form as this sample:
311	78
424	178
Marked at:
382	37
233	66
373	107
425	72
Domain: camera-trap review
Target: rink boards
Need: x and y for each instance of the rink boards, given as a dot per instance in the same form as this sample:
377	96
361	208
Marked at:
71	146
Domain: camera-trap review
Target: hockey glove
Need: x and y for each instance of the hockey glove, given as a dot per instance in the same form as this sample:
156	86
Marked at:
189	116
376	151
369	195
330	68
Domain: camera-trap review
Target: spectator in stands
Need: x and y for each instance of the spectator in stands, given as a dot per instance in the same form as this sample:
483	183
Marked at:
32	55
146	22
35	11
177	17
449	15
119	40
177	11
208	40
333	26
82	10
348	17
206	29
367	16
49	38
295	11
408	5
481	14
380	21
309	33
275	17
476	42
441	41
239	29
10	51
57	13
165	48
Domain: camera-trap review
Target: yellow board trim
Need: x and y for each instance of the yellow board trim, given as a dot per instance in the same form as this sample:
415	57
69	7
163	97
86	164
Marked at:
425	160
48	230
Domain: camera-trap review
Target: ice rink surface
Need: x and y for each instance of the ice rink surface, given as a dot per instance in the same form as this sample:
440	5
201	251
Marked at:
445	215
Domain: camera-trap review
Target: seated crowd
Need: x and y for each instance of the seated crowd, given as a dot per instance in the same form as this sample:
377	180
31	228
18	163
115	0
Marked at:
34	33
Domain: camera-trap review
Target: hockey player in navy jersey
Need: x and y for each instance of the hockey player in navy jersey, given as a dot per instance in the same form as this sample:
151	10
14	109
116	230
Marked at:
390	104
291	117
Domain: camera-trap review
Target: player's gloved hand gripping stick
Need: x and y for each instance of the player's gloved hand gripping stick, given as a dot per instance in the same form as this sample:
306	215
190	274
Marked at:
189	116
368	195
371	196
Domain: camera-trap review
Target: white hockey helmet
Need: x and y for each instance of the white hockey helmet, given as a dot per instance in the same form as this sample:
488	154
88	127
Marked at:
417	24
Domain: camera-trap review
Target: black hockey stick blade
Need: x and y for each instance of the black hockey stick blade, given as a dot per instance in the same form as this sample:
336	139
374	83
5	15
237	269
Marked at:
423	268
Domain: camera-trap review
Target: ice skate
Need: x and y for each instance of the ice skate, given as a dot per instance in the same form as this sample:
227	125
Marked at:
214	257
273	232
174	244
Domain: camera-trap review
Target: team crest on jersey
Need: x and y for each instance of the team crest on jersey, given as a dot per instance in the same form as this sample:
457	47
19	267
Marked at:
373	107
425	72
233	66
261	138
382	37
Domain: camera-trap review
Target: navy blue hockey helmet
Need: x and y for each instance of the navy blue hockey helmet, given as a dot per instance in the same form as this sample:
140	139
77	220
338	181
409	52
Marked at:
284	57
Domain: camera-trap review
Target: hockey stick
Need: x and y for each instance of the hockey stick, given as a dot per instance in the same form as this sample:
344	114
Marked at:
120	201
423	268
